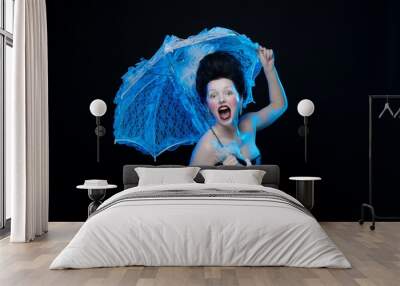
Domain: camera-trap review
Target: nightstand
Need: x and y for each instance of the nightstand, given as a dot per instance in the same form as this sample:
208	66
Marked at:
96	192
305	190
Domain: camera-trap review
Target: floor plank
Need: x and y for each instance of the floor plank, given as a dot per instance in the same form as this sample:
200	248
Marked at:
375	257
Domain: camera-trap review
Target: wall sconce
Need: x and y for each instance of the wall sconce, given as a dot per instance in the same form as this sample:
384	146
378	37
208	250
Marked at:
305	108
98	108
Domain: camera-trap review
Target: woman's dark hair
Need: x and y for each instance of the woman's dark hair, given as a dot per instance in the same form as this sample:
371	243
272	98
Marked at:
219	65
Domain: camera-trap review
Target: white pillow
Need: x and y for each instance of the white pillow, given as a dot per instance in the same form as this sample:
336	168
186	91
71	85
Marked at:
248	177
163	176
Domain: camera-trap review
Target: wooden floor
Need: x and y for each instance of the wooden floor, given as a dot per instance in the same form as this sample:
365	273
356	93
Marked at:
375	257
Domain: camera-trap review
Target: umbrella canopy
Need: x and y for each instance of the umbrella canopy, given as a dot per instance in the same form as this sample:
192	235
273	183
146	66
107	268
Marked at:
158	108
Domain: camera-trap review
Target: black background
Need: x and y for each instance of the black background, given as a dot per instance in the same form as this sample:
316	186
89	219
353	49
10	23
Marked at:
334	55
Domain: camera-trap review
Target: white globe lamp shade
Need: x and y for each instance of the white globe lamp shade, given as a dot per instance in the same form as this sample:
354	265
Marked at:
98	107
305	107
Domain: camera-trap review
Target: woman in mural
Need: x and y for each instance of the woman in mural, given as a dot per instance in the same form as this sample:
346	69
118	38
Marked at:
232	139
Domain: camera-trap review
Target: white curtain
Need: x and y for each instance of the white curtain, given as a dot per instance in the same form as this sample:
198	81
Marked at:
27	147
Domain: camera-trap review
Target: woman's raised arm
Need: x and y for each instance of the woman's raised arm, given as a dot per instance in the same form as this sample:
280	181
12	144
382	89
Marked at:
277	97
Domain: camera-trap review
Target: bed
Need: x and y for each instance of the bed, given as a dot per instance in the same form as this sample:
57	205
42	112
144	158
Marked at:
201	224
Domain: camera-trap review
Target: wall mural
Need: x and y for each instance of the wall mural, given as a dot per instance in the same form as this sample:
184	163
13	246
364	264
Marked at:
319	55
195	91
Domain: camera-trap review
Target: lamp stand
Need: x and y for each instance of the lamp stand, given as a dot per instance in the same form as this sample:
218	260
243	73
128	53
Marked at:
99	131
305	137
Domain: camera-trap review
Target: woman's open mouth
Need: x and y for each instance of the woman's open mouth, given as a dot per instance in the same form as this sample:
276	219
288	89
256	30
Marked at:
224	112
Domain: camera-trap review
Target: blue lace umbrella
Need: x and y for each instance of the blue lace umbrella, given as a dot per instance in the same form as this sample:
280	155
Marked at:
158	108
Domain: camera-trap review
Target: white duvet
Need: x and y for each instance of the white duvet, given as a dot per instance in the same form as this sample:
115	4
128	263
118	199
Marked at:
200	231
